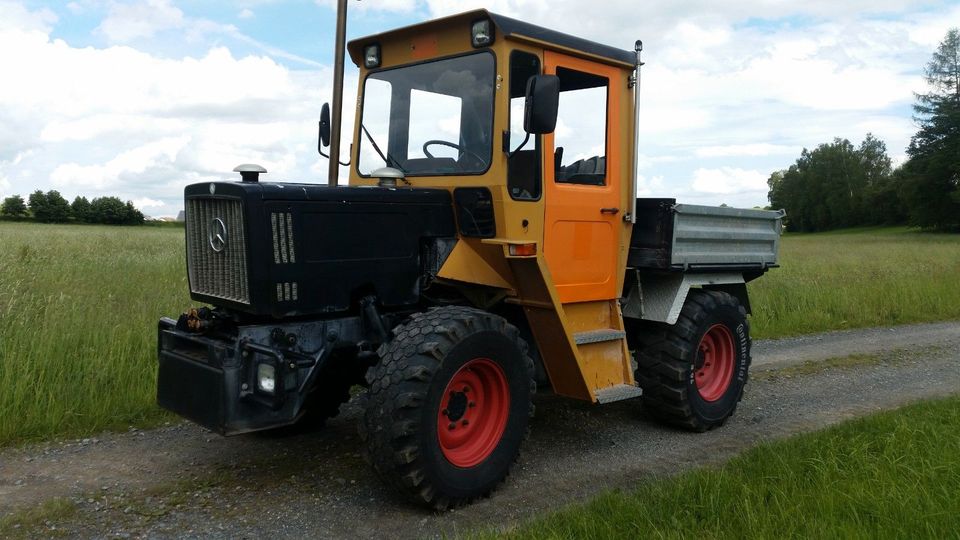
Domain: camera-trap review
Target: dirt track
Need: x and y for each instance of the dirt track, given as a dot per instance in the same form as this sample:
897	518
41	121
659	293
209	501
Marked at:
181	481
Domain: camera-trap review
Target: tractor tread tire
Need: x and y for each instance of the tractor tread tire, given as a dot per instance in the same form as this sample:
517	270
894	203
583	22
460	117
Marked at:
394	403
663	365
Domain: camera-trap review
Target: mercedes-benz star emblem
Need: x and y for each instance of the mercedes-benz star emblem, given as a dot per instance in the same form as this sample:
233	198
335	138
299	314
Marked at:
218	235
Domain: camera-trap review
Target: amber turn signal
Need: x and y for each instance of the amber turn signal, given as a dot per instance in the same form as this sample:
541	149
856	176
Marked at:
523	250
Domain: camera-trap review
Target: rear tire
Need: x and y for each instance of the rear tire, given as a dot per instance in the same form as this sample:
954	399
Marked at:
448	405
693	372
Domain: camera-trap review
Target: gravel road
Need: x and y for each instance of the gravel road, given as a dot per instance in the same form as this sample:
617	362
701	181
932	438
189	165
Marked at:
180	481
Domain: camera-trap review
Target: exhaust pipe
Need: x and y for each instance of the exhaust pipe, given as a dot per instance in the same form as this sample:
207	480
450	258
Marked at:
634	168
333	173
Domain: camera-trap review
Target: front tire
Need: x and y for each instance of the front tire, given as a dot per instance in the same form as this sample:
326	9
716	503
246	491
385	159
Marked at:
448	405
693	372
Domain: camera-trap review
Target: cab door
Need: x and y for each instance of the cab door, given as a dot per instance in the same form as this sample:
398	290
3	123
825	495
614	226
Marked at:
583	217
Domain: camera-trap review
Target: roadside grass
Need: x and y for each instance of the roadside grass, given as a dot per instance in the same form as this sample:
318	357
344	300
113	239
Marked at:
79	307
27	523
891	475
857	279
812	367
78	314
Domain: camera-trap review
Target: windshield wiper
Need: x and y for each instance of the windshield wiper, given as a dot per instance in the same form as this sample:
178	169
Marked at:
388	159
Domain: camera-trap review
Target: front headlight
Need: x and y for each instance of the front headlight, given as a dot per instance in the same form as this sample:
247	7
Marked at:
266	378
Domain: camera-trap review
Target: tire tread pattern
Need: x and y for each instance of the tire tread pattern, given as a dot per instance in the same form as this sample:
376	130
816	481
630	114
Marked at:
662	369
399	384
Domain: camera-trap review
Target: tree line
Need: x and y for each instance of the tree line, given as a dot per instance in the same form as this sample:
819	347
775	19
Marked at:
51	207
839	185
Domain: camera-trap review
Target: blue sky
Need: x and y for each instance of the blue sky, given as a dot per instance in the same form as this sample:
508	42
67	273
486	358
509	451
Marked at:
139	98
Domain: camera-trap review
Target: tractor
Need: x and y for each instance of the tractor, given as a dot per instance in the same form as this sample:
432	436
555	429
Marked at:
489	245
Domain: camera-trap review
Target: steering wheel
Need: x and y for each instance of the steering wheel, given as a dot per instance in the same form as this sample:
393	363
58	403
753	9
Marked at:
455	146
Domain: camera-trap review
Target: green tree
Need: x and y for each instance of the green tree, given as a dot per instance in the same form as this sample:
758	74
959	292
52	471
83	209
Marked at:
49	207
14	207
132	215
57	208
882	202
81	209
38	205
108	210
931	176
113	211
837	185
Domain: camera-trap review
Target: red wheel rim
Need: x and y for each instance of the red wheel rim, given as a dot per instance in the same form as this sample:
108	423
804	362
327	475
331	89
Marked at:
473	413
713	370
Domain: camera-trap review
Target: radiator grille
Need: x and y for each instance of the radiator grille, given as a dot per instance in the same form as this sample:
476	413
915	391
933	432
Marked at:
282	225
220	274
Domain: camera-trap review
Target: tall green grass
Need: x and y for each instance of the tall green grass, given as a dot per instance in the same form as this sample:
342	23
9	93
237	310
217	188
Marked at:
892	475
858	279
79	306
78	313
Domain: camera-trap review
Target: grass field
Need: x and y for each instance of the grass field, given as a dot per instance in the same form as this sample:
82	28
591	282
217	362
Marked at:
79	306
892	475
78	314
856	279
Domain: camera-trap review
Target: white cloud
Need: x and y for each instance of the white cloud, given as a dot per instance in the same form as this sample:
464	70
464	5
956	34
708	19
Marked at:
157	154
395	6
129	21
729	180
245	13
116	120
754	149
14	16
647	188
144	203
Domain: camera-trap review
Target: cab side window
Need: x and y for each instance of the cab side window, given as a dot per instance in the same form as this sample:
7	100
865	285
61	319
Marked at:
581	135
523	169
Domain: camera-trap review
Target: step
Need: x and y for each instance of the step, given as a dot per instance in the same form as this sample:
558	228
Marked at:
618	392
598	336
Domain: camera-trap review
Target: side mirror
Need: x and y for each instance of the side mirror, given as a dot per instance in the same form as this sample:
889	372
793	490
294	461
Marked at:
325	125
541	104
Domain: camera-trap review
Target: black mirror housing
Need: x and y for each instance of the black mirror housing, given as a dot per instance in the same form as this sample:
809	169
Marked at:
324	135
541	104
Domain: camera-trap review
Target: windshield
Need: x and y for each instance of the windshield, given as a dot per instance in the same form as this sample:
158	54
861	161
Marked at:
433	118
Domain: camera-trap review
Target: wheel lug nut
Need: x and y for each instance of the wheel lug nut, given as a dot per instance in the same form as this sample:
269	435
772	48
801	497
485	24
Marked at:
471	404
466	389
452	425
465	421
445	412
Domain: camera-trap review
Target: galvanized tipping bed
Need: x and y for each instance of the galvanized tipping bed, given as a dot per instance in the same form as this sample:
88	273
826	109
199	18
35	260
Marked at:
690	238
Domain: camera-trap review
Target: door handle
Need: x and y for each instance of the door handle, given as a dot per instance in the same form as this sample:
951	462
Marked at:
612	211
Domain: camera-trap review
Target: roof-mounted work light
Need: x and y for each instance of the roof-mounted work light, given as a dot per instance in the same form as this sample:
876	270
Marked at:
371	56
481	33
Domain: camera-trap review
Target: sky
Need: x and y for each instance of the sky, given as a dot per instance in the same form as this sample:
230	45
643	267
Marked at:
140	98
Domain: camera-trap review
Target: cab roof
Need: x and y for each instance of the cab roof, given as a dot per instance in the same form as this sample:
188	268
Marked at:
506	27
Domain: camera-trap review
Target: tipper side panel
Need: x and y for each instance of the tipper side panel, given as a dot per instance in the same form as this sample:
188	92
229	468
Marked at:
669	236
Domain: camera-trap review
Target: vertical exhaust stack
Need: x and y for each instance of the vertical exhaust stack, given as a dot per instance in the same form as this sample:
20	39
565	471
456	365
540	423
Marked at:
334	172
634	168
